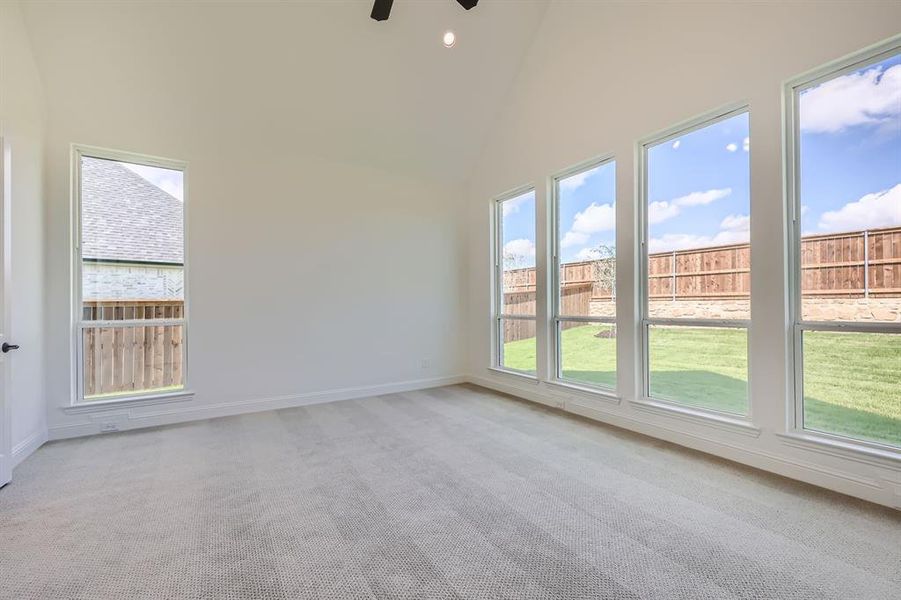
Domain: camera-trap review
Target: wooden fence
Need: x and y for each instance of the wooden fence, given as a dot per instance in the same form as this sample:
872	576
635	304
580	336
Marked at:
130	358
722	272
856	264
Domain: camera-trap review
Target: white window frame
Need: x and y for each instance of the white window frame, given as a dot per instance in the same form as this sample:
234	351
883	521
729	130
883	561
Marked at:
645	321
497	284
78	324
557	318
792	137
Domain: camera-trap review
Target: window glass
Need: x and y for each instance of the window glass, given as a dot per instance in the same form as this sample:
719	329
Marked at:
698	218
850	195
517	254
586	234
849	247
516	283
851	384
132	271
586	282
588	353
698	259
519	350
705	367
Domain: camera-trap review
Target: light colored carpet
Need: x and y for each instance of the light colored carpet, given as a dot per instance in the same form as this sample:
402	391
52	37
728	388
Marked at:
455	492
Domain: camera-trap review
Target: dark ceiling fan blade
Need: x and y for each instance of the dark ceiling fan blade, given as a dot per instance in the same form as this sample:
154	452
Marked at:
467	4
381	9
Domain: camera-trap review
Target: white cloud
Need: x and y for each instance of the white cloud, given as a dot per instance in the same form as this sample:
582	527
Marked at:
676	144
660	211
663	210
734	229
594	219
879	209
687	241
575	181
168	180
746	144
588	254
573	238
520	252
736	223
731	237
731	147
701	198
512	205
868	98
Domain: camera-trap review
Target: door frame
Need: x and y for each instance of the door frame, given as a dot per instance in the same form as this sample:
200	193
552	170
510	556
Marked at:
6	458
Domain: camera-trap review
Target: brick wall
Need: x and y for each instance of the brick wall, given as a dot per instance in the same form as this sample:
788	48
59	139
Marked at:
105	281
815	309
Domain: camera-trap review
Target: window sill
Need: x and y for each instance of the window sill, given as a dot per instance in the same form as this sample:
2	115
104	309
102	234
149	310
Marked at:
585	391
726	423
128	402
518	374
826	444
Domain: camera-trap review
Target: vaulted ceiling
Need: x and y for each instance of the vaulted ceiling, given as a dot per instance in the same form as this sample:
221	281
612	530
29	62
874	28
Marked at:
319	77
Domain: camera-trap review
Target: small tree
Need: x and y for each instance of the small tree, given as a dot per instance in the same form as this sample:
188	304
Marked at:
604	267
604	273
514	260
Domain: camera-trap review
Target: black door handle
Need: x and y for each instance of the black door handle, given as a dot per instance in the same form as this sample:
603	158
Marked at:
7	347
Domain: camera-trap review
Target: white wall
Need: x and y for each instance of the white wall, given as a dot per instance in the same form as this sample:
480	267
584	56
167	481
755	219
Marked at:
22	126
600	76
304	277
308	278
272	323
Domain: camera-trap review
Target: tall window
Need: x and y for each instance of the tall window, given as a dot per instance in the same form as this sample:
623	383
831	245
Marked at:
130	293
845	168
585	259
697	264
515	283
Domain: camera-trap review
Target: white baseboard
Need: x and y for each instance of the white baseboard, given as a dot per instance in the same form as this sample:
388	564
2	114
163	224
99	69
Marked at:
126	418
26	447
875	486
767	457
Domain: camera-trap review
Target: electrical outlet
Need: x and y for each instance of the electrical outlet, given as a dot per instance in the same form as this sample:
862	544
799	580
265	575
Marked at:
425	363
108	426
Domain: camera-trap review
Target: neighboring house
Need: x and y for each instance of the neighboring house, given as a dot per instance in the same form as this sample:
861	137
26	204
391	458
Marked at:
133	236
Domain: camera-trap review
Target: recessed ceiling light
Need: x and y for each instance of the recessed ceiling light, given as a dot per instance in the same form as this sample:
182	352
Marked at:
450	38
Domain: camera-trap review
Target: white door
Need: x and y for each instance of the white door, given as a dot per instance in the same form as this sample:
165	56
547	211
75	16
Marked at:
6	466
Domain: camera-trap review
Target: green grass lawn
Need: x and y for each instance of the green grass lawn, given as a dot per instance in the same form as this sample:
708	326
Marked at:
851	379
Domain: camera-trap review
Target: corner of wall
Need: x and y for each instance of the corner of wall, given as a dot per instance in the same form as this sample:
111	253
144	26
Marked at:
23	115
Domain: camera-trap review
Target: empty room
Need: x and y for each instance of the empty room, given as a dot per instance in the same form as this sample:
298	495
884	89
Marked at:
476	299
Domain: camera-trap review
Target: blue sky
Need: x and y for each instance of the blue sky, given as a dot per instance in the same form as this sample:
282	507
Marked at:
518	230
851	151
699	187
698	184
170	181
587	213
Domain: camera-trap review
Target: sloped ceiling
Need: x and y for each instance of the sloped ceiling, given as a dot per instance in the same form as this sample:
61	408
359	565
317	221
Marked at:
319	77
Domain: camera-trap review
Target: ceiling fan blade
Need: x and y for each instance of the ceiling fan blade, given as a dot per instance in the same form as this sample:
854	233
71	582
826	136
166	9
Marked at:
381	9
467	4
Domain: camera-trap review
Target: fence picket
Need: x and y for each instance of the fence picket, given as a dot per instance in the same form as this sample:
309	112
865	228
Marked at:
855	264
132	358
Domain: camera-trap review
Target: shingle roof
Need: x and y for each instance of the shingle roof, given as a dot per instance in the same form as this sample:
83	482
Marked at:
125	217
